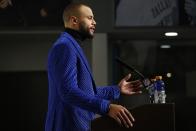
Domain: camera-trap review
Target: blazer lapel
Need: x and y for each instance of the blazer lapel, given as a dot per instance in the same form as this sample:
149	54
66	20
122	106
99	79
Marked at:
82	56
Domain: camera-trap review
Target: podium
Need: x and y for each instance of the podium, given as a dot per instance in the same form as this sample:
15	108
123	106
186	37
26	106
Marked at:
149	117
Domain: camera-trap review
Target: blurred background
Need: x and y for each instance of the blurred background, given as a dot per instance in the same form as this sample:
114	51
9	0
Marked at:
133	30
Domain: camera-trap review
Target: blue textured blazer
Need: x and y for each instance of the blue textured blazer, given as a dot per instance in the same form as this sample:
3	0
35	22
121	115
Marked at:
73	97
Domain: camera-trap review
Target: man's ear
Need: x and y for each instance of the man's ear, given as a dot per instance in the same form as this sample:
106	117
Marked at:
74	20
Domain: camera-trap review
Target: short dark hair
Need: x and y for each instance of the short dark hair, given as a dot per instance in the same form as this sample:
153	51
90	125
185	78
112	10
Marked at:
72	10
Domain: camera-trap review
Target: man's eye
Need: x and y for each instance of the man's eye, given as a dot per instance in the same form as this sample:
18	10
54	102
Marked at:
90	17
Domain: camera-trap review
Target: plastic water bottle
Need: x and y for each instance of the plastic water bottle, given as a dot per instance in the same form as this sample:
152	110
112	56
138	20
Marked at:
151	89
159	92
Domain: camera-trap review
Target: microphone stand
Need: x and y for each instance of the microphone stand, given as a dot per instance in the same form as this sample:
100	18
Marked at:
147	83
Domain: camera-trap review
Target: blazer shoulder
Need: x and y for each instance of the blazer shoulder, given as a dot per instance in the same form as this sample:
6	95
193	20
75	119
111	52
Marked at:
62	40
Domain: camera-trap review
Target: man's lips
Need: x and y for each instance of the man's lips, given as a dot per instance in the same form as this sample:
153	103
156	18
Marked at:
92	29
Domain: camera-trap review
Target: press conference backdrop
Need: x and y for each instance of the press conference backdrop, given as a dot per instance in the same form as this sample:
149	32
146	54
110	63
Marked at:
108	14
137	13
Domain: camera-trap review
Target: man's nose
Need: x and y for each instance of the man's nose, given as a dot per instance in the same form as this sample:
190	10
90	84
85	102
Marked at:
94	22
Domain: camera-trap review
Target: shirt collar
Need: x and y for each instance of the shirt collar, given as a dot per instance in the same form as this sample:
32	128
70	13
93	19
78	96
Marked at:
76	34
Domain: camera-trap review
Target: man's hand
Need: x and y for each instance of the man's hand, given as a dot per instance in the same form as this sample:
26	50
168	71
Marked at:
130	87
121	115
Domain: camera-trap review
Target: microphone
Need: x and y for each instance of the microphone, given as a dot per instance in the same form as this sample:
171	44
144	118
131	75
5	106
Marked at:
145	81
129	67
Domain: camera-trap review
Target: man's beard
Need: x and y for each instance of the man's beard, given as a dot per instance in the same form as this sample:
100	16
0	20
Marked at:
85	32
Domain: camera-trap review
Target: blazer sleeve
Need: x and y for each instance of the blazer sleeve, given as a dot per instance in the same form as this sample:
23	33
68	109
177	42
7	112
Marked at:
65	70
108	92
